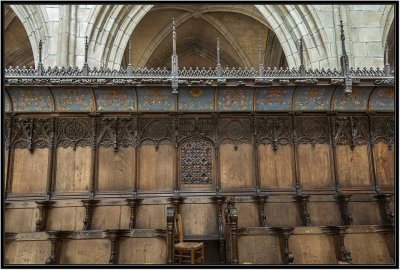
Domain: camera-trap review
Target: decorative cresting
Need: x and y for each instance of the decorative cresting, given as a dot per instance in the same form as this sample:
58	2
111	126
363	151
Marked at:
117	132
382	130
156	131
236	131
350	130
274	130
74	132
196	162
30	133
311	130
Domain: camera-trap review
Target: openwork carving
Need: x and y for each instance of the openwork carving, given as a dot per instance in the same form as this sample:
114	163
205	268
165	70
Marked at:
156	131
188	127
7	131
117	132
350	131
75	132
32	133
196	162
312	130
382	130
274	130
235	131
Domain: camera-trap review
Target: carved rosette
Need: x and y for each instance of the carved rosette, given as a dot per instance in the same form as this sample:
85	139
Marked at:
382	130
74	132
235	131
311	130
274	130
196	162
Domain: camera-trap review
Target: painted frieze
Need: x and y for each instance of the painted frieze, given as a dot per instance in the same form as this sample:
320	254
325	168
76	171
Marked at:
235	99
73	99
274	99
115	99
196	99
356	101
155	99
382	99
31	99
313	98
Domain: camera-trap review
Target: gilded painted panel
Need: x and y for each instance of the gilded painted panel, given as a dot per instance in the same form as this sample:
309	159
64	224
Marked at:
356	101
235	99
274	99
313	98
196	99
155	99
73	99
382	99
115	99
31	99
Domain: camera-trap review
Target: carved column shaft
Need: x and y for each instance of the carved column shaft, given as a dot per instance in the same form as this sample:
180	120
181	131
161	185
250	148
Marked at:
343	201
220	200
344	254
170	235
260	199
55	237
43	206
304	215
287	256
88	204
384	207
133	204
233	217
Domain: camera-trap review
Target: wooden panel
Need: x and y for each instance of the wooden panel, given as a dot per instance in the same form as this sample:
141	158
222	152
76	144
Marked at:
259	249
151	217
384	165
116	169
237	166
247	215
352	166
314	166
30	171
313	249
73	169
275	167
199	219
66	218
324	213
157	167
275	218
96	251
21	220
365	213
142	251
27	252
106	218
368	248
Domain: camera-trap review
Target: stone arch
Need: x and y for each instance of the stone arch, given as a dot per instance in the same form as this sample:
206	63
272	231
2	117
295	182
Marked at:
386	21
33	18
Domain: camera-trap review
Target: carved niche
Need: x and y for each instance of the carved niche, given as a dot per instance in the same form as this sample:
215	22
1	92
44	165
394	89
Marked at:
274	130
382	130
350	130
117	132
76	132
311	130
32	133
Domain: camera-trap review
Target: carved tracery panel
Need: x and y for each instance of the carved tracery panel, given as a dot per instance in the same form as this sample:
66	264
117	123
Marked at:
274	130
350	130
74	132
32	133
383	130
235	131
311	130
116	132
156	131
196	162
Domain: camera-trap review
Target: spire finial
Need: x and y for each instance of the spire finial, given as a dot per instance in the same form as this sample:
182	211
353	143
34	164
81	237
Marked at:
302	67
85	69
218	69
260	62
386	60
129	67
342	38
86	48
40	64
174	60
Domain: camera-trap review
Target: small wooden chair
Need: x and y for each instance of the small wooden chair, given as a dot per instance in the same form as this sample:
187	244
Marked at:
187	251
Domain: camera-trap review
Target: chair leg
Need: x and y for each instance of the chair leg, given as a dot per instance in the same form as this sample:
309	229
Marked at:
192	256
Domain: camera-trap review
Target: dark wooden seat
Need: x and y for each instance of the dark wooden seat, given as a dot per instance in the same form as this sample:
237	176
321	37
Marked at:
185	252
